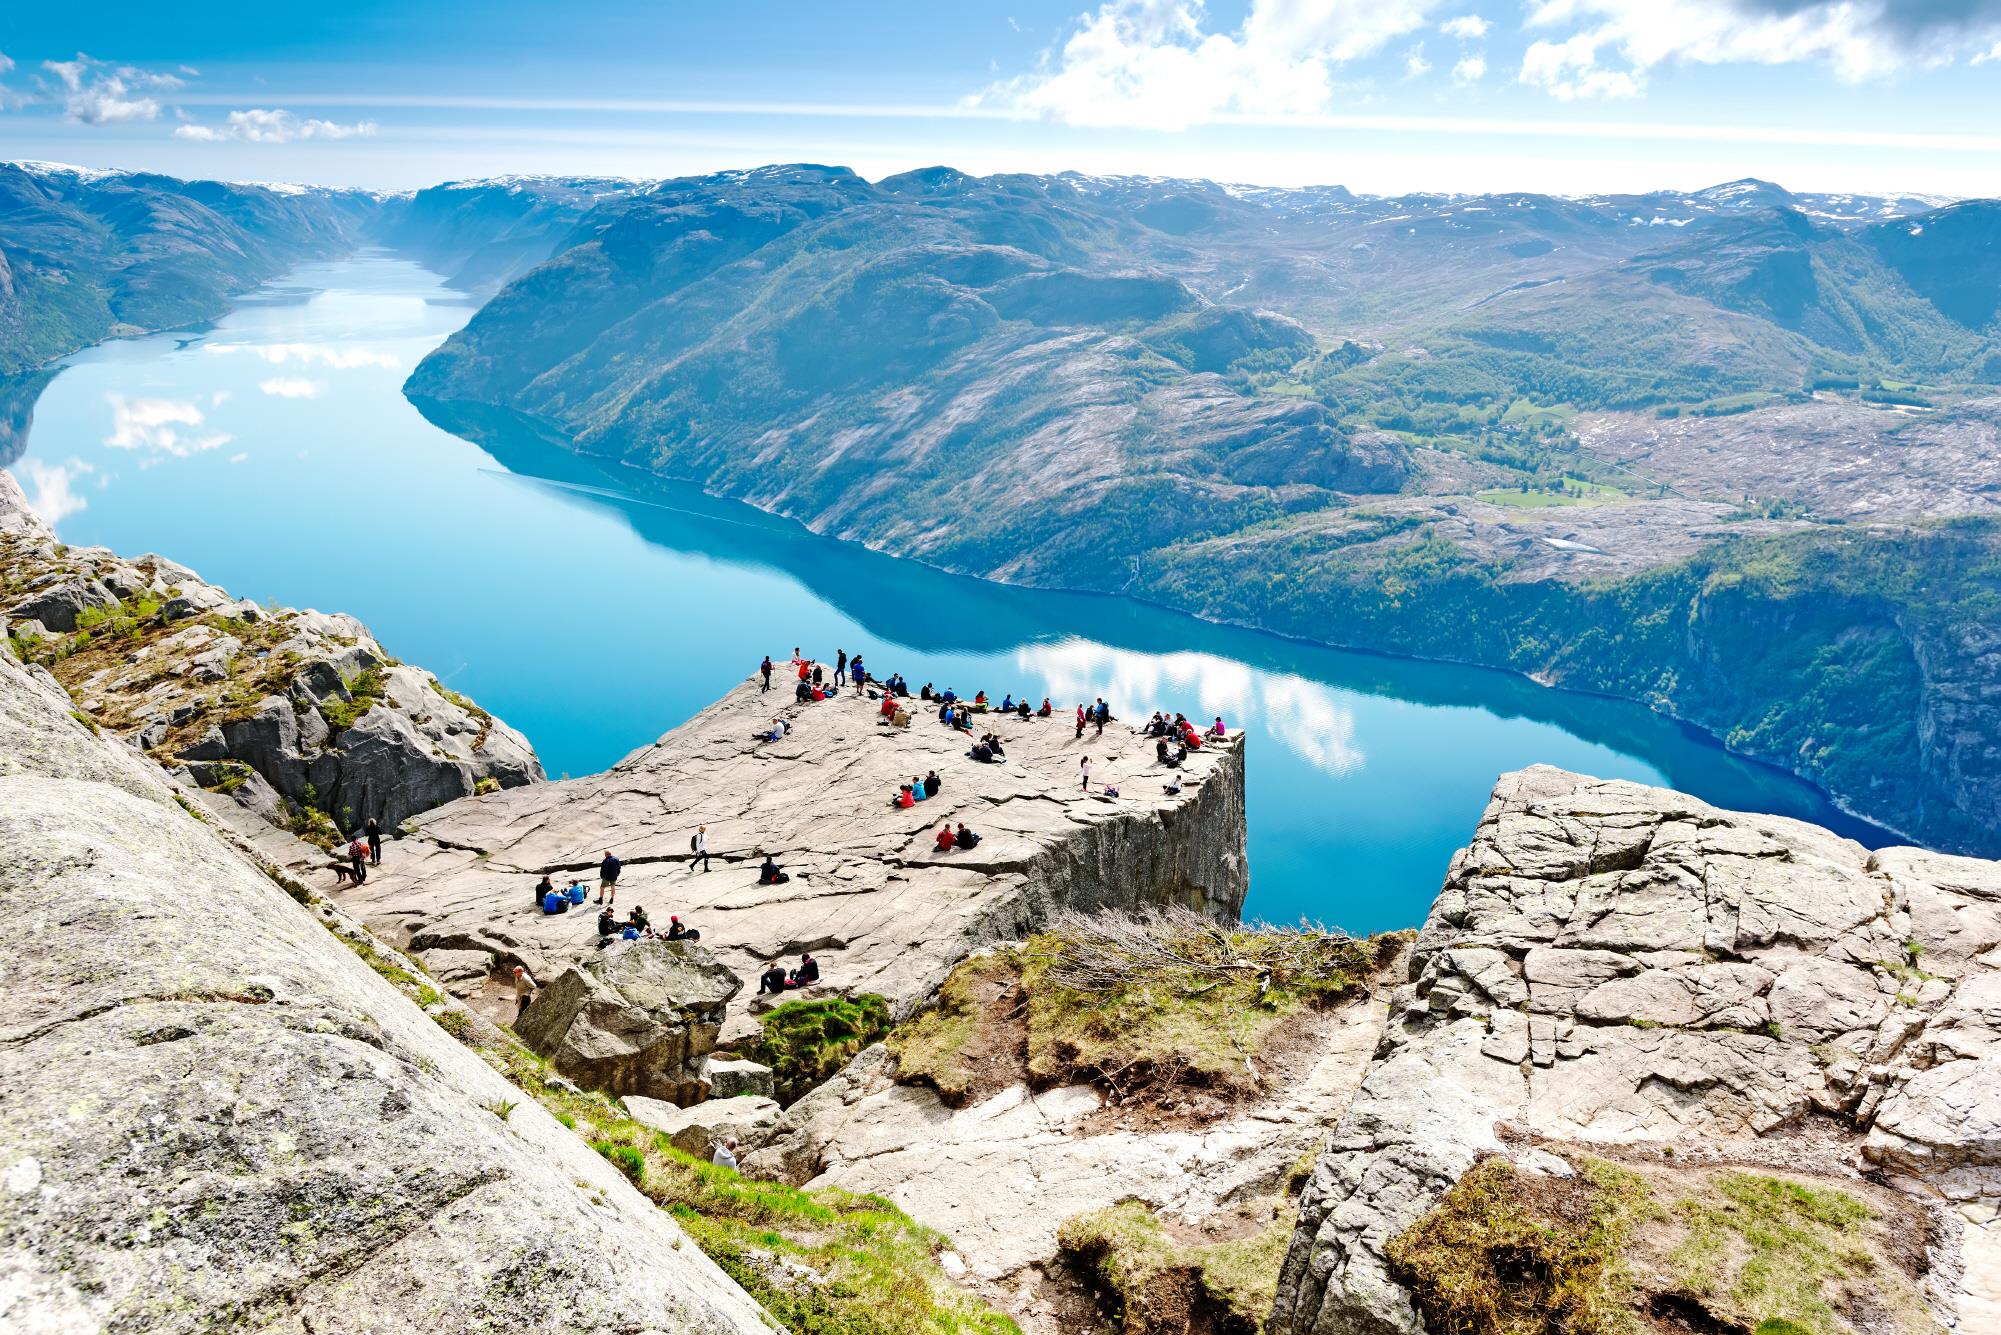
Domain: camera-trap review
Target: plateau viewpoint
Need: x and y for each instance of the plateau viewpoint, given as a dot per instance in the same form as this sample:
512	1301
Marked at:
1647	1065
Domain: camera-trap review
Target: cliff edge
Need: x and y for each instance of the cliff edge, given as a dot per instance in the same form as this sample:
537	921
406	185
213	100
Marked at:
868	893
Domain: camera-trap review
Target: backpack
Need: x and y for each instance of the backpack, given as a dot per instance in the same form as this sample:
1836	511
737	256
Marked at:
691	843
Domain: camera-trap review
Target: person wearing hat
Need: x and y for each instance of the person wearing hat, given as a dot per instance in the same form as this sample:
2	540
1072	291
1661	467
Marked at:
676	931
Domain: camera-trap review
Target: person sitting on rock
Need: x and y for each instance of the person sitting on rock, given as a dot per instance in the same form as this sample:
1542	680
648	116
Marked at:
888	709
555	902
776	732
725	1154
678	931
772	980
994	745
803	693
979	702
769	874
807	974
904	799
916	789
1007	703
1046	710
981	752
608	925
1216	729
925	694
543	889
946	839
639	918
1021	710
932	783
965	838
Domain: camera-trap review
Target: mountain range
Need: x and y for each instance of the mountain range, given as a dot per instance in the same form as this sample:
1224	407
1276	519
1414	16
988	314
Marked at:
1721	451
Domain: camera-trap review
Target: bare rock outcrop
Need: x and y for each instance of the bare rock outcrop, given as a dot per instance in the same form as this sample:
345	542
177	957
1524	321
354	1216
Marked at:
300	716
213	1114
1615	965
869	895
639	1018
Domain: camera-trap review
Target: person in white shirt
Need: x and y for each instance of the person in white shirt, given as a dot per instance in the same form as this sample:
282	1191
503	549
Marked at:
725	1155
700	846
1084	767
524	990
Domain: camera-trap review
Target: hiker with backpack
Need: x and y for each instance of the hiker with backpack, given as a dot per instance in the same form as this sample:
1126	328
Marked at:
698	847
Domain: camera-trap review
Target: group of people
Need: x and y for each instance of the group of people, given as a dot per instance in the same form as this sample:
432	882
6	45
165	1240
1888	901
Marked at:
362	851
917	790
776	979
1100	714
949	839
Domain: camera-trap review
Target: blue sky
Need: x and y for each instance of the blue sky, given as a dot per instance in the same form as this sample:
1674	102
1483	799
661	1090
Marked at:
1572	96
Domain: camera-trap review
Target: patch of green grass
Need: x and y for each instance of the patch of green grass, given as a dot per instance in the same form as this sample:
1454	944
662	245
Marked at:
1507	1253
1153	1280
1770	1249
806	1042
934	1048
365	690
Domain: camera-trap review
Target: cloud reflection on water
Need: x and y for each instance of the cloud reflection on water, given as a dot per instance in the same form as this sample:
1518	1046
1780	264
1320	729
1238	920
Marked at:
1308	717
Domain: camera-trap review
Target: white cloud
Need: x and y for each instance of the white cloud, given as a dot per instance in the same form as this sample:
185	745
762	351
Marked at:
167	426
1153	63
1569	70
239	456
312	354
1467	27
1604	48
50	494
1471	69
259	126
293	387
97	92
1415	66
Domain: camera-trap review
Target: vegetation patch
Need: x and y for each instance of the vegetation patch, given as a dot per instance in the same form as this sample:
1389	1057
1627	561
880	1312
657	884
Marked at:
365	690
806	1042
1150	1280
1141	1003
1628	1248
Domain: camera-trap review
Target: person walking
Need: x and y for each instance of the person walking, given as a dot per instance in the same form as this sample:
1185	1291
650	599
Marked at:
357	858
524	989
840	667
608	871
1084	768
374	842
764	669
699	846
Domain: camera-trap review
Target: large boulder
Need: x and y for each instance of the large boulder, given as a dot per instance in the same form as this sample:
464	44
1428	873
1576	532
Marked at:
637	1019
1617	966
58	605
699	1128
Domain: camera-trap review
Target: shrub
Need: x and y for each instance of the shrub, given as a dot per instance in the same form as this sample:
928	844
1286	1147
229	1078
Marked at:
806	1042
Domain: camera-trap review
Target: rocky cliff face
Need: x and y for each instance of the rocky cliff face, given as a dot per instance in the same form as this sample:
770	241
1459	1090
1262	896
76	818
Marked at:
868	893
298	716
1623	968
214	1115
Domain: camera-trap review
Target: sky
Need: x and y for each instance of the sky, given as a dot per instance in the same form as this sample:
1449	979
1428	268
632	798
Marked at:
1383	96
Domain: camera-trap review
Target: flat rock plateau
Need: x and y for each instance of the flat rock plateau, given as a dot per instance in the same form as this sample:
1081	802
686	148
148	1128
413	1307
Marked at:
869	895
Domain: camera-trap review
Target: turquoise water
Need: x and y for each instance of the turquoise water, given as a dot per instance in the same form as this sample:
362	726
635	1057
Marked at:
595	608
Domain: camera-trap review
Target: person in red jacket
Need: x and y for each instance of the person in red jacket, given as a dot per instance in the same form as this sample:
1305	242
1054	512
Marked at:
946	840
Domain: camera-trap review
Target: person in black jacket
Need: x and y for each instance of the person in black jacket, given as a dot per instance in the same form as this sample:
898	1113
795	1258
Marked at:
374	828
772	980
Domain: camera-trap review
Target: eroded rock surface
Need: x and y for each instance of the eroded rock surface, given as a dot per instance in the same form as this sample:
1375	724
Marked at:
869	895
214	1115
284	711
1615	964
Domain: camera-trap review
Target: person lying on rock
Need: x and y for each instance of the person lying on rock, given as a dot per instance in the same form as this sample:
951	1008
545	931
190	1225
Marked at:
772	980
965	838
769	874
807	974
679	931
946	839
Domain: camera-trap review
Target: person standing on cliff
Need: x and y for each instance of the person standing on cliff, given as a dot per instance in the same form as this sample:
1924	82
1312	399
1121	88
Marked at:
699	847
840	667
1084	765
374	828
608	878
765	669
524	989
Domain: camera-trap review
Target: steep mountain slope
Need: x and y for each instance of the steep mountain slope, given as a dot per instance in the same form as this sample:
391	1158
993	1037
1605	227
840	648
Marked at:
483	233
86	255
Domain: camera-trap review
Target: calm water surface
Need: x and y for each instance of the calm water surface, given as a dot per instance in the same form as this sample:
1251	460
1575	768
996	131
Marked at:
594	608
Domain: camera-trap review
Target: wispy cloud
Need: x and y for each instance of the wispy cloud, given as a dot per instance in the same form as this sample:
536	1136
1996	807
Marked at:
98	92
262	126
1606	48
1156	62
165	426
1467	27
293	387
49	492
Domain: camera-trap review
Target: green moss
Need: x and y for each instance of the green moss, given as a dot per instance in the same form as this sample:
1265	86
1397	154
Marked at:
1503	1253
806	1042
1151	1281
365	690
1770	1248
